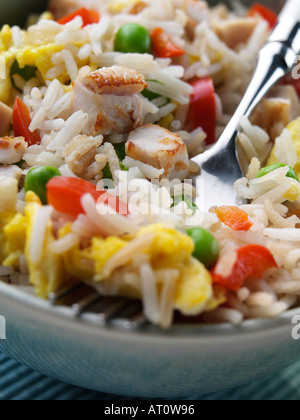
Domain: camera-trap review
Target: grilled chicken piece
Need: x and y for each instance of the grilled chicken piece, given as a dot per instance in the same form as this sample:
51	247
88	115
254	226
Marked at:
6	114
158	147
12	149
235	32
110	97
276	111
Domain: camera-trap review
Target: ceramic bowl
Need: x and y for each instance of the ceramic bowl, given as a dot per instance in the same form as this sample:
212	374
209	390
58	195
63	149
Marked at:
185	361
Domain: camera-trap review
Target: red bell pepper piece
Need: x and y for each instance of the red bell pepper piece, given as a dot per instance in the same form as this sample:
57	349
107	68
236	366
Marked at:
21	123
252	260
234	218
266	13
203	108
88	16
65	193
163	46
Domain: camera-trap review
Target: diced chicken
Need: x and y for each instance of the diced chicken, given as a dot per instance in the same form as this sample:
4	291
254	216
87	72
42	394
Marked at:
80	154
12	149
11	171
138	8
110	98
276	111
9	190
6	114
235	32
158	147
114	80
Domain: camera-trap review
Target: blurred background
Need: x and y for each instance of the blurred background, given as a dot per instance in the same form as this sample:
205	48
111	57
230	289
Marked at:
15	12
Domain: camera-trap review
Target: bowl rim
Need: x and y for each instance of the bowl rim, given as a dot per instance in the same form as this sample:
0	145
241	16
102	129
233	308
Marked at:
204	334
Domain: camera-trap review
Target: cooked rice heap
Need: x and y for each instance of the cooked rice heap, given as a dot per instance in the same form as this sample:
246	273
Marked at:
121	121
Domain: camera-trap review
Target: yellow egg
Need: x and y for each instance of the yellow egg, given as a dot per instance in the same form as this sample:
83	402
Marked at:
40	57
118	6
78	262
194	289
14	236
103	250
5	38
47	274
169	244
294	129
5	218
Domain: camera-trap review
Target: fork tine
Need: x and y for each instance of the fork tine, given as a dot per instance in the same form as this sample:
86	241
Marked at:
132	317
62	292
109	307
80	306
87	302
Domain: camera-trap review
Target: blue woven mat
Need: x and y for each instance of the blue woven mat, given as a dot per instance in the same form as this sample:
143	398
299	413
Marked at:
18	382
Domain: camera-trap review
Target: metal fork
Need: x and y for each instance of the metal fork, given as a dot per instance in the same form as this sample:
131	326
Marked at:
87	303
220	166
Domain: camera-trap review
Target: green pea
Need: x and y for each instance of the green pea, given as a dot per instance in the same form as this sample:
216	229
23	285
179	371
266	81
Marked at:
27	73
268	169
207	248
133	38
150	95
37	179
192	206
120	150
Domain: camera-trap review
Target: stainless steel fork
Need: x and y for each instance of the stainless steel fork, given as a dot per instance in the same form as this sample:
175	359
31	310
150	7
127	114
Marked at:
86	302
220	166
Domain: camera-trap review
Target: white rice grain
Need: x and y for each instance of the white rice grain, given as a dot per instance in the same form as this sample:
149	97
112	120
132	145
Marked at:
150	294
289	235
70	63
38	234
73	127
147	170
260	299
65	244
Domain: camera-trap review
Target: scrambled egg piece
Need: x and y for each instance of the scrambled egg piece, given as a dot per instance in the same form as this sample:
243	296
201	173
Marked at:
5	218
294	128
39	57
194	289
47	274
14	240
169	249
78	262
118	6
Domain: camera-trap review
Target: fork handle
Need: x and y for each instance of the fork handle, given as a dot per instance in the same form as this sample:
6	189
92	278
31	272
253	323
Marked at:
276	59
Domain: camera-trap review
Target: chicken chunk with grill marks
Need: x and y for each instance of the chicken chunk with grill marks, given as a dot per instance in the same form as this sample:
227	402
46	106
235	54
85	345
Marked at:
235	32
158	147
277	110
12	149
110	97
